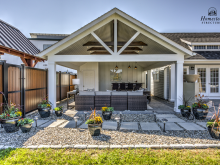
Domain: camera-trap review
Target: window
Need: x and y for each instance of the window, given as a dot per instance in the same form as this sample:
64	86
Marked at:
156	75
45	46
212	47
200	47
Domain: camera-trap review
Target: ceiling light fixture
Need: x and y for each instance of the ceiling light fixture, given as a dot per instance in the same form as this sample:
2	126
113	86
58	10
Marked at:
135	67
129	66
116	67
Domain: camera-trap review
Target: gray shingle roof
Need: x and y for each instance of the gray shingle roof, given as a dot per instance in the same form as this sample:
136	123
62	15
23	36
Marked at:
204	39
176	37
12	38
206	55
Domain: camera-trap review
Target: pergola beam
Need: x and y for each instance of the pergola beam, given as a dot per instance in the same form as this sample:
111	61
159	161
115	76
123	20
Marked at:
138	43
102	48
107	53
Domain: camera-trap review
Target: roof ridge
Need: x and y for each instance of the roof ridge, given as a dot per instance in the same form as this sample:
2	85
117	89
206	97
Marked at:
8	24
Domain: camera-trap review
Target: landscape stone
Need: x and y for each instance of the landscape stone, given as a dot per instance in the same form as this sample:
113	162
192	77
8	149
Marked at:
129	126
191	126
47	124
109	125
171	127
84	126
149	126
56	123
166	116
39	122
171	120
203	124
70	124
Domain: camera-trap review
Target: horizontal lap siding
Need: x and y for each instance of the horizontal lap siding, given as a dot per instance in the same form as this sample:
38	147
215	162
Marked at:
34	80
1	87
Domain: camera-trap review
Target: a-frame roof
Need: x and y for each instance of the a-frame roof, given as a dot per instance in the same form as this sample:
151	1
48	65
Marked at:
124	15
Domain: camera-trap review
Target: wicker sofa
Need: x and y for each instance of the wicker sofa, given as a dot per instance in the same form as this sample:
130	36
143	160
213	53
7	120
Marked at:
121	101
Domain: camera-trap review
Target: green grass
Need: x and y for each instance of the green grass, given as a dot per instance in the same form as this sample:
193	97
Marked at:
109	156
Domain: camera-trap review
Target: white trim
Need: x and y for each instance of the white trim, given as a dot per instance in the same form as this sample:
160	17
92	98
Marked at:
202	61
165	84
103	44
105	16
115	36
126	45
187	69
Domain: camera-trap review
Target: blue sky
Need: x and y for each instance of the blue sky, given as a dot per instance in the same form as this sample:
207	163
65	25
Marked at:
66	16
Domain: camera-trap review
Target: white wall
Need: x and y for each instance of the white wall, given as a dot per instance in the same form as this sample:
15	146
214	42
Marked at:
91	66
128	74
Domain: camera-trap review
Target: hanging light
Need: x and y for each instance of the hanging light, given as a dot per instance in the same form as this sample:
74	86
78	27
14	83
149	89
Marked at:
116	67
135	67
129	66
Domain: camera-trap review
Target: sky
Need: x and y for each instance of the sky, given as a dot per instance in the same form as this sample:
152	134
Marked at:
67	16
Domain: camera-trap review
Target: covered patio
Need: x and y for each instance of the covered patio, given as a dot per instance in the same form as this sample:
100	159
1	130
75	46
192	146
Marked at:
116	41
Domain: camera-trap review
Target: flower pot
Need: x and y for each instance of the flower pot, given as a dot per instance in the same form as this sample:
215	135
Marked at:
185	113
26	128
10	125
44	112
59	113
107	115
199	113
95	129
213	132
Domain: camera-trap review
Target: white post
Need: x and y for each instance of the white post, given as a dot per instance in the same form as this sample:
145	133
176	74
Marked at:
165	84
115	37
149	80
52	82
179	85
172	83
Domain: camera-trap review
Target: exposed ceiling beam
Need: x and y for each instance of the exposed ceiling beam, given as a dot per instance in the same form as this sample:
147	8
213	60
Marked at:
24	61
7	50
138	43
107	53
102	48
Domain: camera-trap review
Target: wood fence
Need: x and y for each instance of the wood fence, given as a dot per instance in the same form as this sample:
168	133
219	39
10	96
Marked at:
22	85
27	86
64	84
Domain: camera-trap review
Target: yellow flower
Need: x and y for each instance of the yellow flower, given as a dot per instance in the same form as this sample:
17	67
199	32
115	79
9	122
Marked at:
98	119
19	113
48	105
104	108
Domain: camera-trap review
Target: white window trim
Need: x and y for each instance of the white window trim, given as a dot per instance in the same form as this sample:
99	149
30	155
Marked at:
187	69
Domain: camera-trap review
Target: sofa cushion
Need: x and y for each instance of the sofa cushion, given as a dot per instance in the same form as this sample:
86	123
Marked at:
86	93
139	93
119	93
106	93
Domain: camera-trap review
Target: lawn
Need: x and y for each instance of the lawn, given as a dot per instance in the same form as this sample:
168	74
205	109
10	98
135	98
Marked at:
109	156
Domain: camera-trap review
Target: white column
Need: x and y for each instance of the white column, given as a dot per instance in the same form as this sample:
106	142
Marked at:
179	85
149	80
172	83
165	84
52	82
115	37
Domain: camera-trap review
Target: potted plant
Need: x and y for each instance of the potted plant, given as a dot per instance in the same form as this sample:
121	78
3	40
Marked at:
10	116
200	108
44	108
185	110
58	111
94	124
213	125
25	124
107	112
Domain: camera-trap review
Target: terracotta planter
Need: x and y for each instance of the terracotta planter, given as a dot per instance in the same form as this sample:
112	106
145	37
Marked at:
10	125
44	112
59	113
26	128
199	113
95	129
107	115
213	132
185	113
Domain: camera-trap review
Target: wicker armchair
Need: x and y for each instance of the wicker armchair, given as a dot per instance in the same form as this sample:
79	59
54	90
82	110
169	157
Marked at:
85	101
102	99
137	101
119	100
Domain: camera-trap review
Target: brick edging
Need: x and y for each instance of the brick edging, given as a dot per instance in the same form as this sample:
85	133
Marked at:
171	146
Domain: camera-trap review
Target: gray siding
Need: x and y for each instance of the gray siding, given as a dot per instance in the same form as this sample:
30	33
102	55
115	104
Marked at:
159	86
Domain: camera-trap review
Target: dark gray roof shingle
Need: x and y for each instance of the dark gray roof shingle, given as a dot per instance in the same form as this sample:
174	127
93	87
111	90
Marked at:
12	38
206	55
